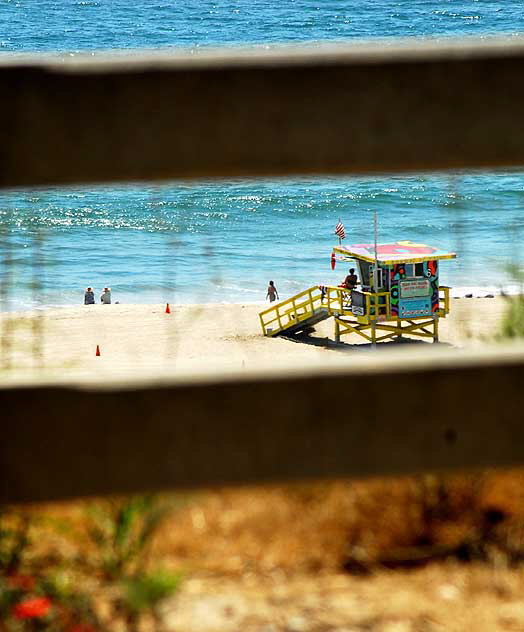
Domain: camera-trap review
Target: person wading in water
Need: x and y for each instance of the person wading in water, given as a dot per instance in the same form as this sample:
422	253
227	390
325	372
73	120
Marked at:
272	293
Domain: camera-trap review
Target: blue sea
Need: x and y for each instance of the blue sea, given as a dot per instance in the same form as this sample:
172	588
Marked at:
222	241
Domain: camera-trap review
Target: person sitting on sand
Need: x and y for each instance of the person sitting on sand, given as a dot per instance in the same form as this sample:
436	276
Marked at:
89	296
105	297
351	280
272	293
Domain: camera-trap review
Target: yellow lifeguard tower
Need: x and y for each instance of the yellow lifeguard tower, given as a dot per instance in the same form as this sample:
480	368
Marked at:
399	294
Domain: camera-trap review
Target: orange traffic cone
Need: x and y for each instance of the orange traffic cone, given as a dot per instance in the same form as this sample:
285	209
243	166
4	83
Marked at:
168	311
97	350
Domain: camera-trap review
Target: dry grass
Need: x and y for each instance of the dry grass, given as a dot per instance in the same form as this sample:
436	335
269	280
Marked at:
287	556
318	527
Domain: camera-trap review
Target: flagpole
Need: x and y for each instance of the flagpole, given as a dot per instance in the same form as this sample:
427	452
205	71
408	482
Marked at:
375	275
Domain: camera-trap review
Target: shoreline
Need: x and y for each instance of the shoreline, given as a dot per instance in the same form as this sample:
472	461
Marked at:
455	294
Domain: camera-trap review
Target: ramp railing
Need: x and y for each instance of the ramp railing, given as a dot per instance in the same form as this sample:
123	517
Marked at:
292	311
334	300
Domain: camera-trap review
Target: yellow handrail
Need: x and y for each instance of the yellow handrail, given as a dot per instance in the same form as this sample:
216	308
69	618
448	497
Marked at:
379	309
344	295
336	301
445	309
291	311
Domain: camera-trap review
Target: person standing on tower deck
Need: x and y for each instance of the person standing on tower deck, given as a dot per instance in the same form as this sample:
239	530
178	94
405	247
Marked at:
272	293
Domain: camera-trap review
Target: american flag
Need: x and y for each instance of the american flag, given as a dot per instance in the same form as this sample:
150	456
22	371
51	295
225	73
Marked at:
339	230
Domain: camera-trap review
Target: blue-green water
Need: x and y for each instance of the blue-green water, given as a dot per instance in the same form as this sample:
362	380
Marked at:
72	25
223	241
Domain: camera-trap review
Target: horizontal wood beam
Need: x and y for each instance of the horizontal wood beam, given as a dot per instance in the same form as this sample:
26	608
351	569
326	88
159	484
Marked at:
61	442
381	107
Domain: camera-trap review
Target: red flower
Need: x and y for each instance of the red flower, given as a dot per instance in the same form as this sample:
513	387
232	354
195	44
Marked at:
21	582
32	608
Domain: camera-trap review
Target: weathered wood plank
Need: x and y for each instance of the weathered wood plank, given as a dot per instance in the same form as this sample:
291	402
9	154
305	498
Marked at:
60	442
355	109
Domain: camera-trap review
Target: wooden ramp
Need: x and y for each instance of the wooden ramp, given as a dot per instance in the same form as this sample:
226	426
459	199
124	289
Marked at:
296	313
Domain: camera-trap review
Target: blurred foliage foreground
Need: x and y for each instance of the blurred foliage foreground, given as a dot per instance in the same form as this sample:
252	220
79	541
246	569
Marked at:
106	579
108	565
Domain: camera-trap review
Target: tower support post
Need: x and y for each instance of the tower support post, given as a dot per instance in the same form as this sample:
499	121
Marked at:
337	330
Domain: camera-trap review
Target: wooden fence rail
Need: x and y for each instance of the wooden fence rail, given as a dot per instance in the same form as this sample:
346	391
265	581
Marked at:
390	107
447	414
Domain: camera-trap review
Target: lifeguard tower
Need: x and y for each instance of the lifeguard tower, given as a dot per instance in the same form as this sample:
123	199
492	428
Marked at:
399	295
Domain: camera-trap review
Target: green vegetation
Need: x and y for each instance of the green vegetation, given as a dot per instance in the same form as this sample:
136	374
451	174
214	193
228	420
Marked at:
512	324
99	577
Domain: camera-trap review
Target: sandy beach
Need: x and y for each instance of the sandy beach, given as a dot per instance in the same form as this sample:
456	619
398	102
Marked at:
192	339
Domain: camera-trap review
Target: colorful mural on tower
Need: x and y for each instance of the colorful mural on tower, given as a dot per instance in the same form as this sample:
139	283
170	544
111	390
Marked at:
412	298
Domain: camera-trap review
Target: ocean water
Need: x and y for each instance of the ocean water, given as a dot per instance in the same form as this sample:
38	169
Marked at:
223	241
73	25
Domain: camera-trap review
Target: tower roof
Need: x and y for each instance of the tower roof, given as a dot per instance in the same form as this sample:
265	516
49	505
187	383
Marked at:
397	252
